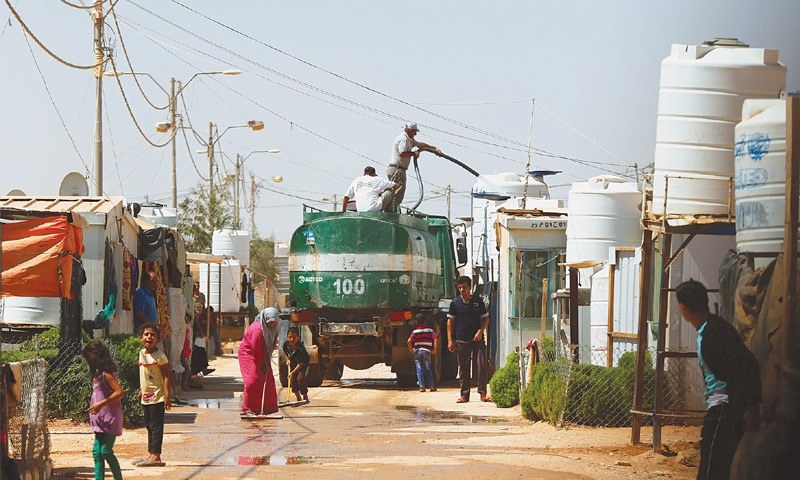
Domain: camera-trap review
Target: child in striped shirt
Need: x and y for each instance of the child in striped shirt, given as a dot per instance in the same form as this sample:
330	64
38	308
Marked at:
423	343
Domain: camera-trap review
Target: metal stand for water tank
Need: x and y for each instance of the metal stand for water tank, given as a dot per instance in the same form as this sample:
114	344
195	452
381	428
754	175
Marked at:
658	230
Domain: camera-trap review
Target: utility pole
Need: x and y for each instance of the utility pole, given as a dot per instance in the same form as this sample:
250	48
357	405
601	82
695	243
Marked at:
252	206
99	57
448	191
210	163
172	115
237	192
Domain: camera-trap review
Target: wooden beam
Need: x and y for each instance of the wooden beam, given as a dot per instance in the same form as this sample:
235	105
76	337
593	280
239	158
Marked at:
645	286
790	230
612	268
573	314
658	396
545	297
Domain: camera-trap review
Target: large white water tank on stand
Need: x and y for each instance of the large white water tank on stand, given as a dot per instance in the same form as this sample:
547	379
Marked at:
603	212
232	243
700	102
225	285
761	176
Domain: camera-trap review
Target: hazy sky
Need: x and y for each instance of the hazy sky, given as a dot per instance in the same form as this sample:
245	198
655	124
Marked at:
334	82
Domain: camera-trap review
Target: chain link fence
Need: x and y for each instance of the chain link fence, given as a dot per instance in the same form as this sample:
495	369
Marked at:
574	385
31	361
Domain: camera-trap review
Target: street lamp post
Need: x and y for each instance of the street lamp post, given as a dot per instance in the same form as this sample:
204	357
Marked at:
240	181
334	199
254	125
163	127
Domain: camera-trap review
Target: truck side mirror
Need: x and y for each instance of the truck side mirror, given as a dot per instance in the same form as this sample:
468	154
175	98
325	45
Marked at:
461	251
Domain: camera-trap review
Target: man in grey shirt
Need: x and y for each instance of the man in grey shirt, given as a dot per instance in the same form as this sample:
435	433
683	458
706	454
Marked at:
402	153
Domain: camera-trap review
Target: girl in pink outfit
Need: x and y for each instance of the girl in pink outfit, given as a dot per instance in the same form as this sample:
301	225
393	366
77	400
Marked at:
105	409
255	361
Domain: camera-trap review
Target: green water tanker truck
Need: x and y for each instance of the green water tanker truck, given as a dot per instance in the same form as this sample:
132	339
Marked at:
361	280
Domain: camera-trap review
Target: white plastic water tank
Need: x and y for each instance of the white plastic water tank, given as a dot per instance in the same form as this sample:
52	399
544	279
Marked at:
30	311
232	243
159	215
700	102
225	287
510	184
603	213
760	176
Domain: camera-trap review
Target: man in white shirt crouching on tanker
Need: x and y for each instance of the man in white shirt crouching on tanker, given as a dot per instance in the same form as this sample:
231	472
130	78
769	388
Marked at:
371	192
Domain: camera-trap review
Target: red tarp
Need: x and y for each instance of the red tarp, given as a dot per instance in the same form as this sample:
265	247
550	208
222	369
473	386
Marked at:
36	257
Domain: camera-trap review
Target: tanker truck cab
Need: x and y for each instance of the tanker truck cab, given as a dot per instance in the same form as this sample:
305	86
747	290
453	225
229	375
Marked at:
360	282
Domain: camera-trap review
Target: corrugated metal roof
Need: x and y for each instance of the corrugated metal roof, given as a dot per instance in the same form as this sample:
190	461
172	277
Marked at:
62	204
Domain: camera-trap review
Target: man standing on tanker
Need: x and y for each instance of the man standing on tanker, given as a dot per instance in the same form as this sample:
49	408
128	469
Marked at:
402	153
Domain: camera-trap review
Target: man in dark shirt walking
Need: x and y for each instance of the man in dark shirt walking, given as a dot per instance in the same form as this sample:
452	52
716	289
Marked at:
466	322
732	378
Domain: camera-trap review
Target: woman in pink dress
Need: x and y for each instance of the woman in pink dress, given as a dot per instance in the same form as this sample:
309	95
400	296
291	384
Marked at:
255	362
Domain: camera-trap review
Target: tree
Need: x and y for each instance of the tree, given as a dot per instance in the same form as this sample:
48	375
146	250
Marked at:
262	257
199	216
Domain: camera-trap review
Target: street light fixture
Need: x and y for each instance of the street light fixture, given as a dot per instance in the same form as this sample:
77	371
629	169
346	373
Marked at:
164	127
239	185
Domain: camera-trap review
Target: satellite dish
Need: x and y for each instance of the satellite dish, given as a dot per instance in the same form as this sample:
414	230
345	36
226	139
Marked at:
74	185
15	193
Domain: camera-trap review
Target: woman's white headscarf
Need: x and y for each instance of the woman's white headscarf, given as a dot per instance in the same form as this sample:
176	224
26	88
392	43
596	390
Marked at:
269	327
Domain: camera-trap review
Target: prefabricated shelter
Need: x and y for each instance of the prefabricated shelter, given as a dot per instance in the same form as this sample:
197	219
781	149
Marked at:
530	243
110	229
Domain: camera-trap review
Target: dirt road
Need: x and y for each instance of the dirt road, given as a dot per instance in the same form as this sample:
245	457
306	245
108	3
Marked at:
364	426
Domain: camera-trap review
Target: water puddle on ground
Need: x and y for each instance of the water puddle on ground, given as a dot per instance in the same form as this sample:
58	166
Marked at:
368	383
427	415
214	403
275	460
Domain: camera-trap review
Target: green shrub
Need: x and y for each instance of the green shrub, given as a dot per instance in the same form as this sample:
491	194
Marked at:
505	383
68	391
543	398
19	355
598	396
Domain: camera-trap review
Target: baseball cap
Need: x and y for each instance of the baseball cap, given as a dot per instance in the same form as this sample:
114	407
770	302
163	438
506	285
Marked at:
411	126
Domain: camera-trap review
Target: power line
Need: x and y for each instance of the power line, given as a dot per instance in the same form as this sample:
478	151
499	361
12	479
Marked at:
523	148
345	79
58	112
191	155
130	111
113	148
133	72
44	47
80	7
